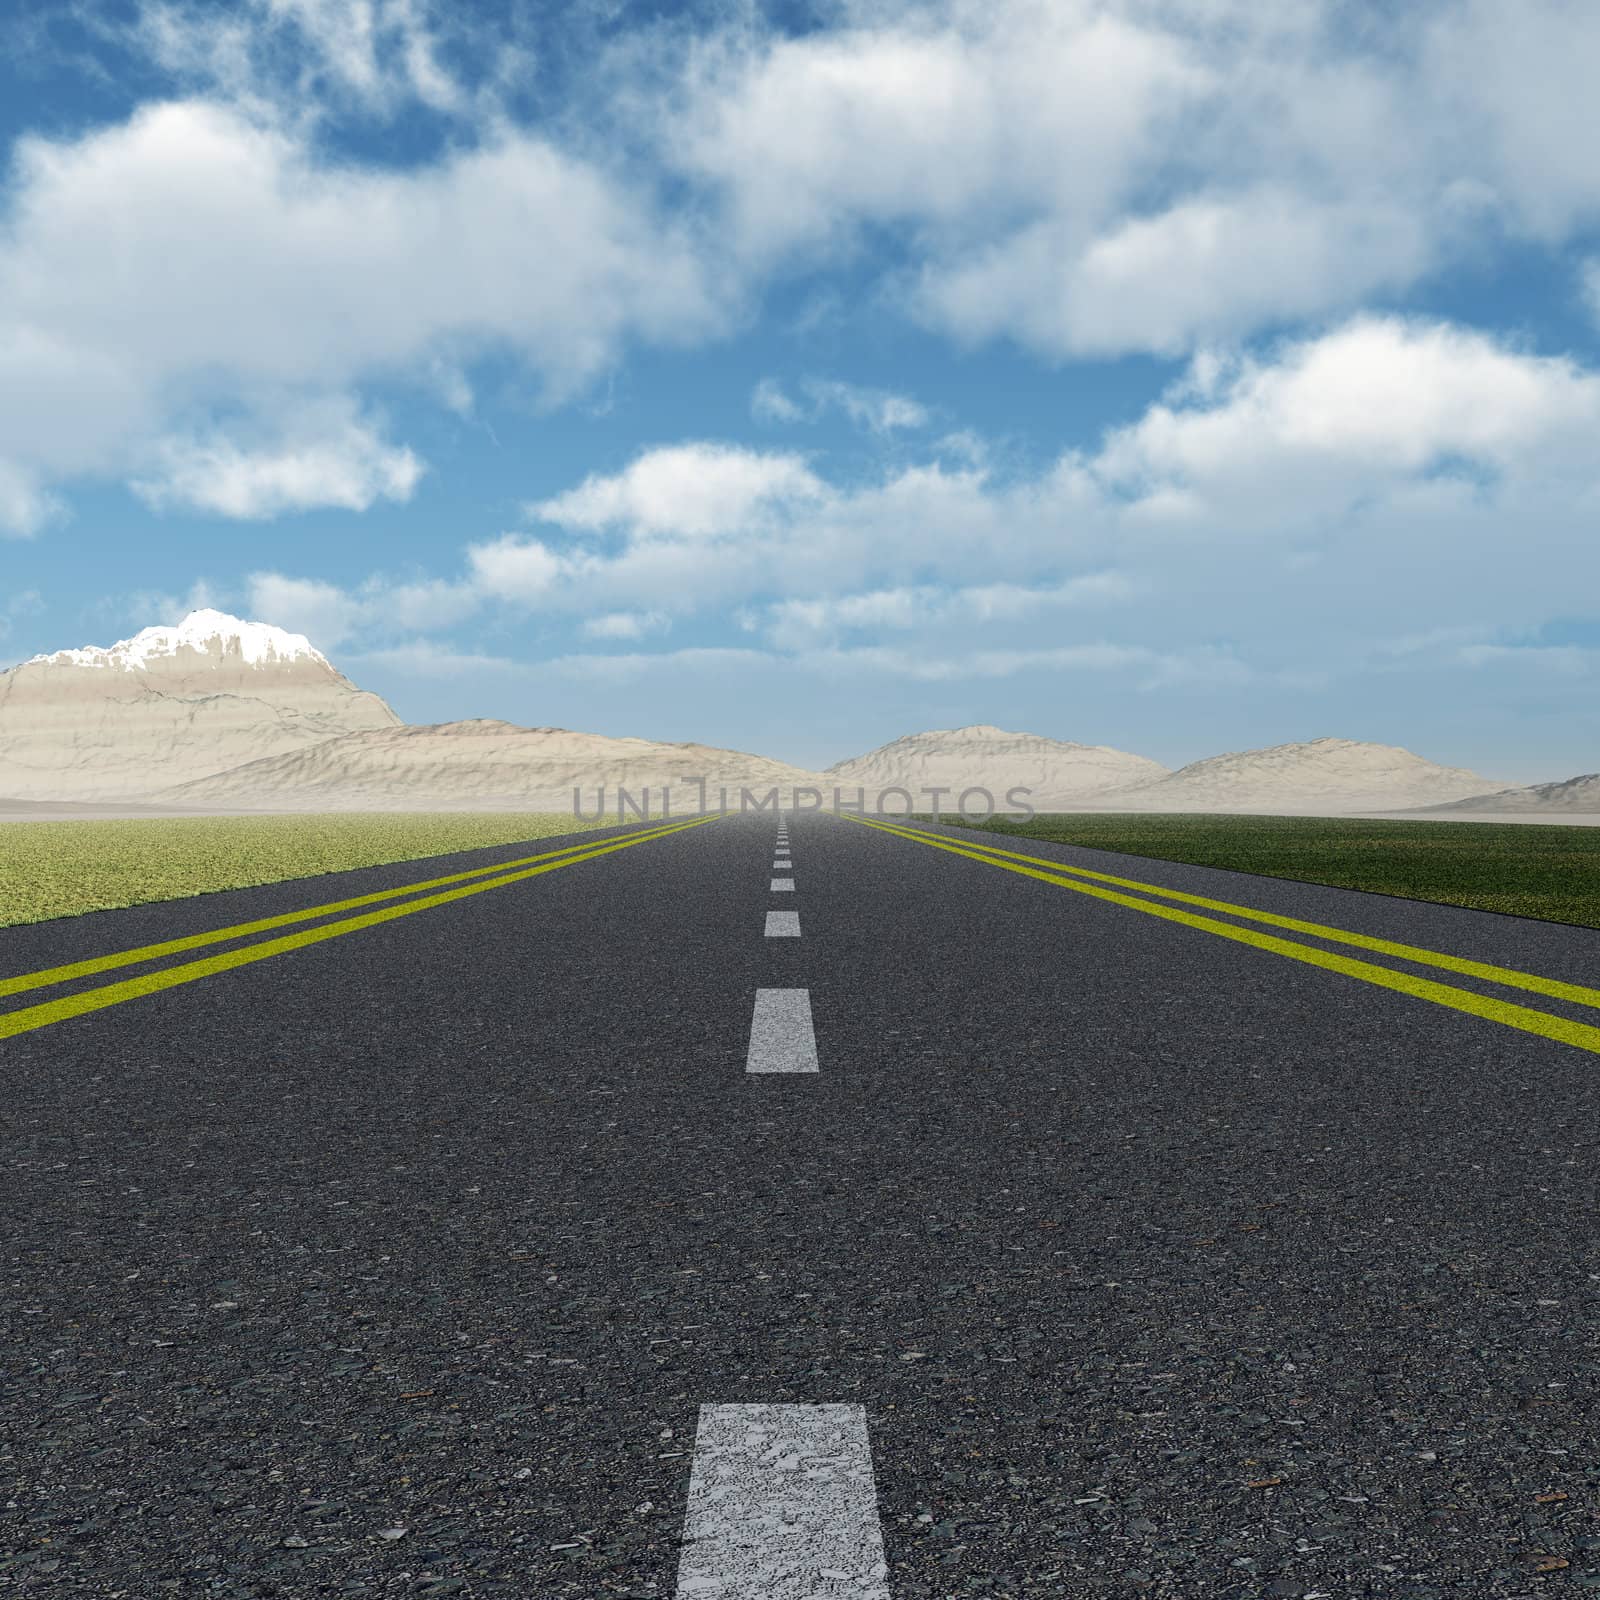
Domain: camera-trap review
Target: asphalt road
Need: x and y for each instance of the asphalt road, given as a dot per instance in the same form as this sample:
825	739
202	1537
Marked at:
1144	1262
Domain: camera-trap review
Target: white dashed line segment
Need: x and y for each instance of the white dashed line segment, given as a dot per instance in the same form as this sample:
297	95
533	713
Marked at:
782	1506
783	924
781	1036
782	886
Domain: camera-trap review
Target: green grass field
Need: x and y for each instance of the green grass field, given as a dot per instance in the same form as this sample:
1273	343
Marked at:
59	869
1523	869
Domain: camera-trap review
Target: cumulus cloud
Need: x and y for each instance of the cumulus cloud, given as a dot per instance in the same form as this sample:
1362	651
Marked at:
701	489
1331	421
322	611
625	624
950	115
333	459
1282	518
381	607
1261	257
190	255
1084	177
1098	176
514	568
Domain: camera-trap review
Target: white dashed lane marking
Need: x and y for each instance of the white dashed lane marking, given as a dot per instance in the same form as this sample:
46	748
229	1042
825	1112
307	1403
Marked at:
781	1036
782	886
782	1506
783	924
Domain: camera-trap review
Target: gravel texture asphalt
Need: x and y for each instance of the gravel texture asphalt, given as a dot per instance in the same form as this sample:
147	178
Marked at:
402	1264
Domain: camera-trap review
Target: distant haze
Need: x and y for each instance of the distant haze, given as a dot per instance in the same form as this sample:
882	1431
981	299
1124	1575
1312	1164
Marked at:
222	714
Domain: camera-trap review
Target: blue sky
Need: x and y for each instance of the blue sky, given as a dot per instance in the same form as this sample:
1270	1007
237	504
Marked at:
1181	375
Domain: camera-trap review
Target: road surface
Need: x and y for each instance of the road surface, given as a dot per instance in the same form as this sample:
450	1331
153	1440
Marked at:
854	1213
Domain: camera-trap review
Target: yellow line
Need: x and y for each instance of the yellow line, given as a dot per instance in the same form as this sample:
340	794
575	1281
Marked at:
1509	976
171	947
1581	1035
42	1016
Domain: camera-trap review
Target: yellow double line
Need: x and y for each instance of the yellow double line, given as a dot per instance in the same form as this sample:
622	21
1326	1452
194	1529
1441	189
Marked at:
1582	1035
497	876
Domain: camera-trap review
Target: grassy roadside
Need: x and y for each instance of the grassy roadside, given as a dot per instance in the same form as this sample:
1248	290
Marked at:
59	869
1521	869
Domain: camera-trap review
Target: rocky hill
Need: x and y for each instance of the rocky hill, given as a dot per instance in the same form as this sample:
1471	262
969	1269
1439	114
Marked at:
485	765
1057	771
1581	794
1319	777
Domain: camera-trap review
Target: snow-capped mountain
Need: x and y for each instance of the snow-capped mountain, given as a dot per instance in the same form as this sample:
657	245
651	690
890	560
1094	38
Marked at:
167	706
212	636
221	714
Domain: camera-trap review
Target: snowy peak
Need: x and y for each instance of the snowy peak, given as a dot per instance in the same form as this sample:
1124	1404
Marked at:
206	633
169	705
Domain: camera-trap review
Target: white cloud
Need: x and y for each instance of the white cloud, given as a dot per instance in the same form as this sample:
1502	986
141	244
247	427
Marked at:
323	612
1589	279
381	607
640	664
333	459
146	606
625	624
1519	104
25	507
1260	257
513	568
881	410
422	606
878	410
1082	176
951	115
191	255
425	658
1096	176
299	57
1153	669
1392	490
699	490
1566	661
1367	408
768	403
798	624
